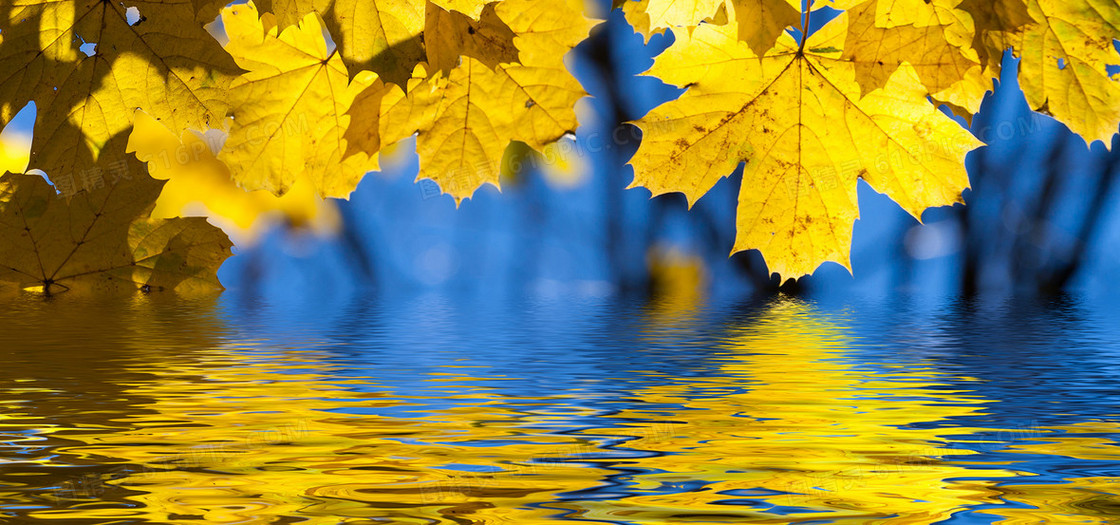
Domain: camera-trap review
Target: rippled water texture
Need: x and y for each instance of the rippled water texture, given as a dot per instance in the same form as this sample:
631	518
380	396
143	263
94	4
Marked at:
427	411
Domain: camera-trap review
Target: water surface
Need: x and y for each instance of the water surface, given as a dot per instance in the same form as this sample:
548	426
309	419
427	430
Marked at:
427	410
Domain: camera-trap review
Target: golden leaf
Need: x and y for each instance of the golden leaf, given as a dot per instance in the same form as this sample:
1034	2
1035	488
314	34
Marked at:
1064	69
289	109
762	22
807	134
450	35
956	73
466	119
380	35
653	17
878	52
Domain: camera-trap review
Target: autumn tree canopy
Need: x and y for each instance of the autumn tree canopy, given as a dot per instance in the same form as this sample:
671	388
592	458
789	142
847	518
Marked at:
313	90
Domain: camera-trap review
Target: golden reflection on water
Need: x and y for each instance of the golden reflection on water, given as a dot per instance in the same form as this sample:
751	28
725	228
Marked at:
176	423
1084	499
800	432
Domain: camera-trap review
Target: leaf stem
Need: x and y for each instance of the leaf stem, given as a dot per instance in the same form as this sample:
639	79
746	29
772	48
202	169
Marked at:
805	25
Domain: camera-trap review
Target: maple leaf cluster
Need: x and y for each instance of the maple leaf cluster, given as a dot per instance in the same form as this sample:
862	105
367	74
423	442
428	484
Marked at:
313	90
303	89
311	87
857	99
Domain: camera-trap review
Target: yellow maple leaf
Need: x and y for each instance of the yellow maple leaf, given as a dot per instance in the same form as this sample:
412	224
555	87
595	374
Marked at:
940	40
1065	54
380	35
1066	49
103	238
450	35
919	41
166	64
995	26
762	22
471	113
289	108
685	14
798	120
545	31
465	120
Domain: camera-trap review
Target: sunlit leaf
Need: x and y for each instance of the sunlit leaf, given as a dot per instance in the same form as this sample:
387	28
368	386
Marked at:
1064	72
466	119
289	109
807	134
